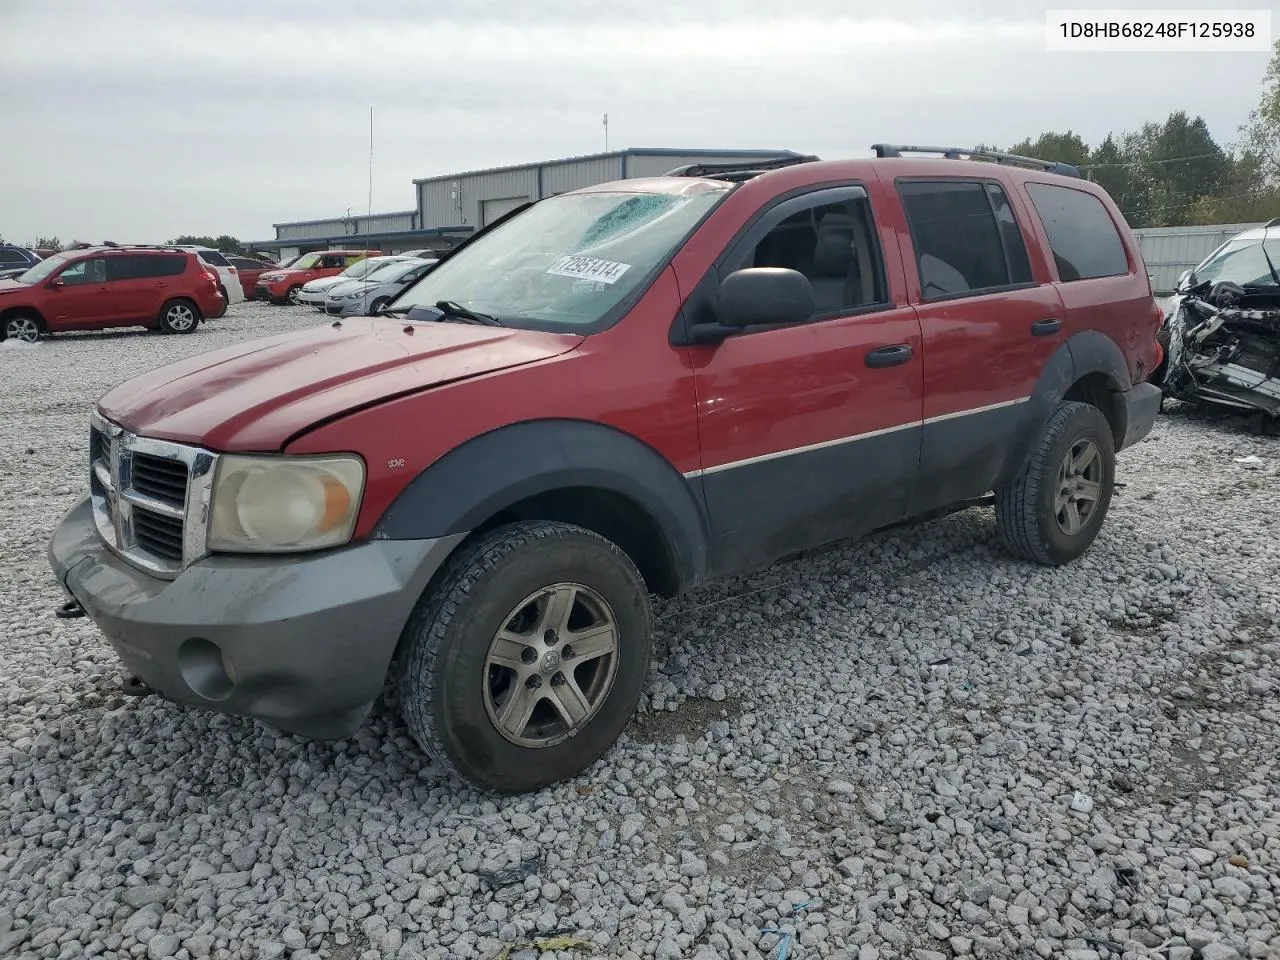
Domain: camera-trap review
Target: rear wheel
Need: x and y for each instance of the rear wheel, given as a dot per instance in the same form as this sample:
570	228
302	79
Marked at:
179	316
23	327
1053	510
523	665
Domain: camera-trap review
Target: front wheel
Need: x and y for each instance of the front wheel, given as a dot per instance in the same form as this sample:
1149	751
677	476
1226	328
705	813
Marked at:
524	664
179	316
23	327
379	304
292	295
1054	508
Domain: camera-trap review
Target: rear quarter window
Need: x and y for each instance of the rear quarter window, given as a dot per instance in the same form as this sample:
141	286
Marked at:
214	257
1082	236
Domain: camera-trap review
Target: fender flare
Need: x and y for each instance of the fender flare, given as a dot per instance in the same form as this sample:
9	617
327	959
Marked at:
488	474
1082	354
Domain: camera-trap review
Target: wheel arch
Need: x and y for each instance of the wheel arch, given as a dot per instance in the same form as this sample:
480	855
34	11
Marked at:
15	311
1089	367
574	471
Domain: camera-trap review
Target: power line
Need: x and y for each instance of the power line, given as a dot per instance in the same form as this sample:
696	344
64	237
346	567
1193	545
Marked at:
1138	163
1178	206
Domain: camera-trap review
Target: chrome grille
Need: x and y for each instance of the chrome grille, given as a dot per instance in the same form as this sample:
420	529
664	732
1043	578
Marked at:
150	497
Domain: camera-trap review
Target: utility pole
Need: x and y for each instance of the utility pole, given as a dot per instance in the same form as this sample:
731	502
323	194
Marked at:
371	160
606	133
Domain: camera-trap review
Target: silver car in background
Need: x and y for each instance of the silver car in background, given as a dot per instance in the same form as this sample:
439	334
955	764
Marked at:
366	296
313	291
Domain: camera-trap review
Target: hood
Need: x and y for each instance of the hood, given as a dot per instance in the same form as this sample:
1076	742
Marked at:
346	286
256	396
13	286
323	283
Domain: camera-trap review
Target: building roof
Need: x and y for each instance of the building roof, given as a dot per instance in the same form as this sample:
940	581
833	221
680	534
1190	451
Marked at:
629	152
359	238
358	216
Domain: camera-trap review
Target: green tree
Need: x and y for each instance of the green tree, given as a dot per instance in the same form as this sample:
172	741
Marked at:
225	243
1066	147
48	243
1261	135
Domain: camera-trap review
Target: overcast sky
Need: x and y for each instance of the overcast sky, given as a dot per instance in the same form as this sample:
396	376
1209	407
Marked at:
142	119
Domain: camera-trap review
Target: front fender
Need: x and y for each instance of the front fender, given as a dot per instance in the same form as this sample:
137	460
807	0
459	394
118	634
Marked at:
484	476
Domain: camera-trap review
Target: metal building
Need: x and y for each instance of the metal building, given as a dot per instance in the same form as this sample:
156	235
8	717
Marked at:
449	208
1169	251
479	197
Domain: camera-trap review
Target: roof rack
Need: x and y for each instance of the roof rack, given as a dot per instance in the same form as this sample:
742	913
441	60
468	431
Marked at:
957	153
738	171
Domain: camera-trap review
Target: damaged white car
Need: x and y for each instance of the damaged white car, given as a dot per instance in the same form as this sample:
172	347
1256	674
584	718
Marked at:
1221	333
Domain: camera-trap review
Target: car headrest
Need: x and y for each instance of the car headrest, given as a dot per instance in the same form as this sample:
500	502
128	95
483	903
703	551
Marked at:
833	249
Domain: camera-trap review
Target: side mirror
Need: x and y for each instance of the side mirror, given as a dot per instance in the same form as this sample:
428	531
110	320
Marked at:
57	283
764	295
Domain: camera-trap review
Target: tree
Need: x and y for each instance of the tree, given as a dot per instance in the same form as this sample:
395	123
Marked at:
225	243
1261	135
48	243
1066	147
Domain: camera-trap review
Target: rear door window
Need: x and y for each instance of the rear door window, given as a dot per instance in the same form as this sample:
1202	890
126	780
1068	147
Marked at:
11	258
1082	235
214	257
966	238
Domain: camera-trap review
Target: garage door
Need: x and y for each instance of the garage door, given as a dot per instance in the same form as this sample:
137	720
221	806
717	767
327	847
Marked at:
491	210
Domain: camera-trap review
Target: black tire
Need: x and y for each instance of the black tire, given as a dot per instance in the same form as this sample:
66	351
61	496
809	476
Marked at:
291	297
179	316
378	305
445	682
22	325
1026	515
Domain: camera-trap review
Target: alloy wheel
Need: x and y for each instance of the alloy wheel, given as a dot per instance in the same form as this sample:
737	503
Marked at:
551	665
180	318
25	329
1079	487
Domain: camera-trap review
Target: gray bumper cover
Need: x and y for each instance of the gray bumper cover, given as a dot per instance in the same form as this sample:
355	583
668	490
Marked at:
301	642
1142	404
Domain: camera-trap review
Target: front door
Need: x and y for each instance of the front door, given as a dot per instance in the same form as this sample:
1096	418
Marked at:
81	296
810	432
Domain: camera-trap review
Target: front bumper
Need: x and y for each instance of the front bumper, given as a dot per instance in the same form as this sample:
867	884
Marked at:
311	298
1142	404
300	642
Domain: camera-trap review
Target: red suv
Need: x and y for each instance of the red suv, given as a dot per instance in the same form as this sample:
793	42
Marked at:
622	390
90	288
282	285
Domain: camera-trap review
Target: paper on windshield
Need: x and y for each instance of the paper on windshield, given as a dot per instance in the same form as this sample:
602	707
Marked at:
589	268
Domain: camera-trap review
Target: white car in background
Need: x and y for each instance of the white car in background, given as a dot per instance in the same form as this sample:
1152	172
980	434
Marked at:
228	276
368	295
313	291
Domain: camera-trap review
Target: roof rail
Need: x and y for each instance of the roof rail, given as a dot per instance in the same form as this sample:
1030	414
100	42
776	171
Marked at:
739	170
957	153
1273	222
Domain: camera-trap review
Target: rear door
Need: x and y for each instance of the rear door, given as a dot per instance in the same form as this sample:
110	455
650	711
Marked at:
989	327
81	297
131	288
1103	286
810	432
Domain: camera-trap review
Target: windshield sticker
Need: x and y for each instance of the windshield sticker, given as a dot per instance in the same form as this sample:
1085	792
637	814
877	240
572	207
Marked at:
589	268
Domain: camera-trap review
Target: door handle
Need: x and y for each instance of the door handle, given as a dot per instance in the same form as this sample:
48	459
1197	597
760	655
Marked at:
1046	327
891	356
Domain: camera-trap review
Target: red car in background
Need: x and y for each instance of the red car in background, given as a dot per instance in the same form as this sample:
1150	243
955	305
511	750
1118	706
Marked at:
91	288
282	285
249	270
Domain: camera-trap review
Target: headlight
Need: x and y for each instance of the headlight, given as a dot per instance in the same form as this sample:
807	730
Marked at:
284	504
269	278
353	295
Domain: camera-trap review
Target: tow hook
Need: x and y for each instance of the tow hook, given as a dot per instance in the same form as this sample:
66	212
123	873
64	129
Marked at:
134	687
69	610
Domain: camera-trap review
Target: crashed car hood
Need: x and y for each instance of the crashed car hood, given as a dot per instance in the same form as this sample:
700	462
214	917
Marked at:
257	395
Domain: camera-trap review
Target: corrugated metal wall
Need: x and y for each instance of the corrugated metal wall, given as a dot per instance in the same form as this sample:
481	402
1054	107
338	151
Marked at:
1169	251
310	230
386	222
571	175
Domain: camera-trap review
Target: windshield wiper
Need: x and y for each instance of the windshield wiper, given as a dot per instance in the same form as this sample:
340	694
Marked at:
457	311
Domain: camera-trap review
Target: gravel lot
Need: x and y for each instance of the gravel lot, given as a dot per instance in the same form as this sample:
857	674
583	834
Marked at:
873	750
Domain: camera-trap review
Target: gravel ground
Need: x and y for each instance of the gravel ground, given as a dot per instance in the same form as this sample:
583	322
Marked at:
910	747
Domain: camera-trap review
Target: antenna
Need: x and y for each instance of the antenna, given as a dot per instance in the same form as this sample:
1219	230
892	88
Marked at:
606	133
371	160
